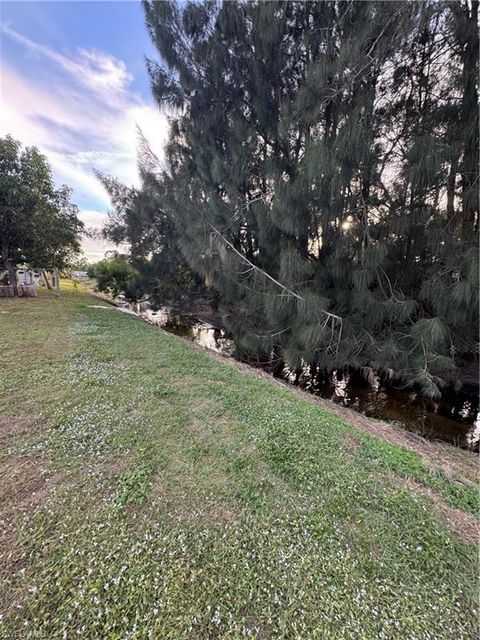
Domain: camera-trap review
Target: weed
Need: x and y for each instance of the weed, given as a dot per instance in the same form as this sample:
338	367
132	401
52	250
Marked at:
134	486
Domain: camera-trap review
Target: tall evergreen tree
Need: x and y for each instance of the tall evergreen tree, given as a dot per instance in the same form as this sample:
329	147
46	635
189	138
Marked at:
323	176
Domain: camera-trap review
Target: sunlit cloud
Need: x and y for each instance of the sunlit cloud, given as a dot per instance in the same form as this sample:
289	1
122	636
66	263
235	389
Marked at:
94	245
92	219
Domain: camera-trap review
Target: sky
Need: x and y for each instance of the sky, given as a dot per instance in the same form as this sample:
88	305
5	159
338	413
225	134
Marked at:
73	82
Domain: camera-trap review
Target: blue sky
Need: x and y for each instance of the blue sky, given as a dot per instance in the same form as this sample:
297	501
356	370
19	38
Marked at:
73	82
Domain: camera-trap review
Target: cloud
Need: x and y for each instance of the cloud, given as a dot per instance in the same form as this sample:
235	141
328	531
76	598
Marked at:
95	246
80	111
94	69
92	219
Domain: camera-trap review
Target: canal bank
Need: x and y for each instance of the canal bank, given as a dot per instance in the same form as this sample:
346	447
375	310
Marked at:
454	419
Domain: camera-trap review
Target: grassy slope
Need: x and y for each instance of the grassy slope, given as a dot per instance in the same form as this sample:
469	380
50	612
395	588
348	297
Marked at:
151	491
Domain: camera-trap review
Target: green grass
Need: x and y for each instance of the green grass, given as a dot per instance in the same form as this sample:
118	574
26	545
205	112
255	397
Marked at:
152	491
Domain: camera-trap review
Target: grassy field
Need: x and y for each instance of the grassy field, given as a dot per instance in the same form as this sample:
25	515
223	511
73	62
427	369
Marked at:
149	490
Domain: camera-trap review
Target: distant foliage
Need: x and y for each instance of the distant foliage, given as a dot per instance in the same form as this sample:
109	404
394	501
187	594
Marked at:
114	275
322	176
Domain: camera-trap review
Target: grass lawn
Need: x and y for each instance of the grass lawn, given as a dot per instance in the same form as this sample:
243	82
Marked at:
150	490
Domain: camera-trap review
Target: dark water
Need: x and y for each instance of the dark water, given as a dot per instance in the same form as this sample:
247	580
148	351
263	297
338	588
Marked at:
455	419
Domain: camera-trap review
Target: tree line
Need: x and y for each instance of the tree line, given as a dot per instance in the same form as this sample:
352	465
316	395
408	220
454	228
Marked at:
320	178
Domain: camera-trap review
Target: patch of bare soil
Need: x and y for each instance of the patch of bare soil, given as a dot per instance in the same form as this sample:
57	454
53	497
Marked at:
219	513
116	465
14	426
464	525
23	480
351	442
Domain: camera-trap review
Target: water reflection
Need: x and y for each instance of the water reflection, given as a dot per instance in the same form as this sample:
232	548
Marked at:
473	434
202	333
452	419
455	419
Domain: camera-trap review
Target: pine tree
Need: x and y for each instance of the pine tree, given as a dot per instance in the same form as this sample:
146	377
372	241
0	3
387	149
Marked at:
323	178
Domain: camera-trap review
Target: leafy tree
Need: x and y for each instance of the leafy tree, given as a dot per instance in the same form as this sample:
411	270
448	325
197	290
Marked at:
57	232
115	275
38	223
322	176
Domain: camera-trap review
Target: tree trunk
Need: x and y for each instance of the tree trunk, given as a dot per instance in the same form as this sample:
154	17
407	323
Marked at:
278	361
10	267
12	276
57	282
47	283
452	176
